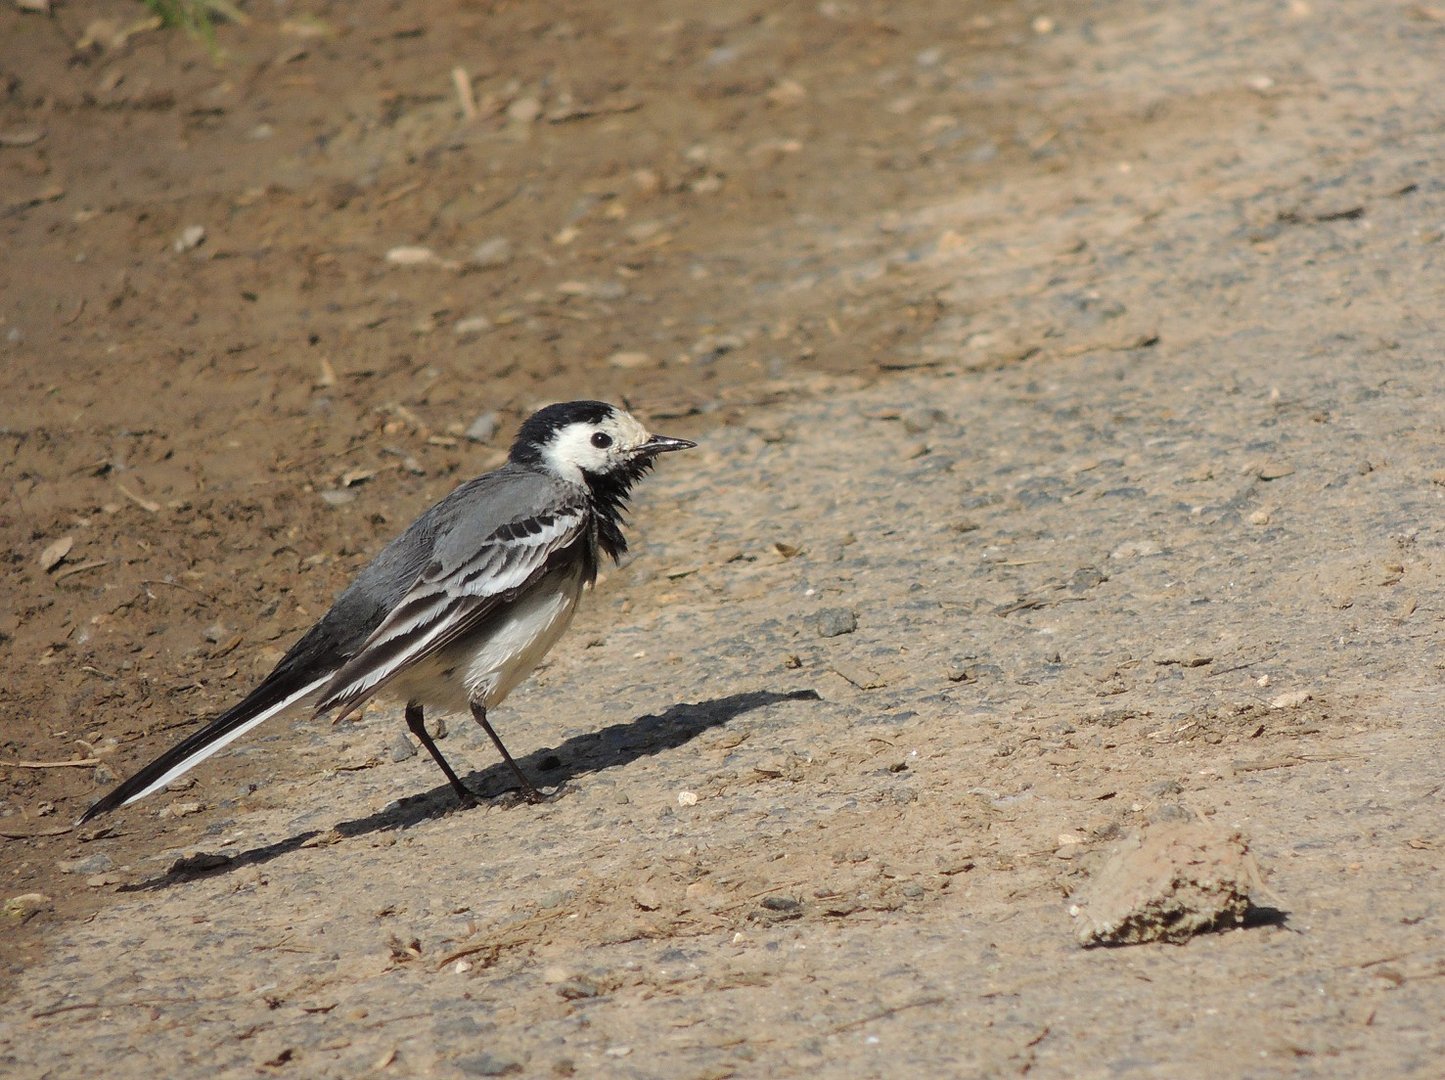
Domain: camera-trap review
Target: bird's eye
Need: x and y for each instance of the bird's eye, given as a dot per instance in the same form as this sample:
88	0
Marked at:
601	440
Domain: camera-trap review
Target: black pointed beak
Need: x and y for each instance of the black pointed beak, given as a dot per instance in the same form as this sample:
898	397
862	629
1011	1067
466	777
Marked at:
661	444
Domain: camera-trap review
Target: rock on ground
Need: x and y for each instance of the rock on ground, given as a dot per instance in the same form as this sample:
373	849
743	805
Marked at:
1168	883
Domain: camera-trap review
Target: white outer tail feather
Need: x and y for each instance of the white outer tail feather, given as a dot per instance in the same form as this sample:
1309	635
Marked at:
225	740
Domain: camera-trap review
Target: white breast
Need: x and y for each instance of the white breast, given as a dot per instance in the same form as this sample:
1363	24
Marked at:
485	669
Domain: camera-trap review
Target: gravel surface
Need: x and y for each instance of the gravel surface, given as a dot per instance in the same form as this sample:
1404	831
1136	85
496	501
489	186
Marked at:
1125	513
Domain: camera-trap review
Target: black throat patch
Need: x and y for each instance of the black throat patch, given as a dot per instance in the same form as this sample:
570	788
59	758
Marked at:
609	502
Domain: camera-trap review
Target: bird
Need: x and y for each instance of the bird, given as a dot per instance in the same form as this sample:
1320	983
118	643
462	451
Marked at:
460	607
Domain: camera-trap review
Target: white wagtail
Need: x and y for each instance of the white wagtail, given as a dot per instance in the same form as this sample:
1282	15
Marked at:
458	609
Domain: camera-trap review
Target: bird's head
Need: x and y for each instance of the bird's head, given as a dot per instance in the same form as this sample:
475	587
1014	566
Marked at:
590	441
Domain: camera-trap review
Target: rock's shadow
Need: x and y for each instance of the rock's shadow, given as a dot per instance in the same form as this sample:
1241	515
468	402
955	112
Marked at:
593	752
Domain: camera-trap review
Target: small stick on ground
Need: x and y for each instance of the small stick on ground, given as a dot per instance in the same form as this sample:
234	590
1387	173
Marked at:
50	764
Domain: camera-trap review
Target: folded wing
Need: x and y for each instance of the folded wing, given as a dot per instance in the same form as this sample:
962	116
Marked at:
457	592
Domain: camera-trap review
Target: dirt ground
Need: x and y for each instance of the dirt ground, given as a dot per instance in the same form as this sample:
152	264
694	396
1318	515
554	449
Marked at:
1067	381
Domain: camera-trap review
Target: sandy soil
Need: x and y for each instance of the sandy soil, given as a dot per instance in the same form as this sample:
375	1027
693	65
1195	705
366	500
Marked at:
1068	389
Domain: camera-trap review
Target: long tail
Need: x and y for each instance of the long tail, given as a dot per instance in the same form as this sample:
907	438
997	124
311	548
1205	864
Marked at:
260	705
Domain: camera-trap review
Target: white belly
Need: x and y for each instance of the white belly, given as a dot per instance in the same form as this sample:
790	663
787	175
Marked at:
485	670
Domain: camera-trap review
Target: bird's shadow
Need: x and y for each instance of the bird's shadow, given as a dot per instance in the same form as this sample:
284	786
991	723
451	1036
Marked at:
593	752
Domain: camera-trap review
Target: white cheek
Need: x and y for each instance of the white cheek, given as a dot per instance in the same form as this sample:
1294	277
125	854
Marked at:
557	463
573	453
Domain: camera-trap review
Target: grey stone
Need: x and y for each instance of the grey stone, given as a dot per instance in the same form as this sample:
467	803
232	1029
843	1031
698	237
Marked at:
835	622
89	864
488	1064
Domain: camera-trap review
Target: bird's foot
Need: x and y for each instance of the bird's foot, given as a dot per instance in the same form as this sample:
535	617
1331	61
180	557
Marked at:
466	798
530	795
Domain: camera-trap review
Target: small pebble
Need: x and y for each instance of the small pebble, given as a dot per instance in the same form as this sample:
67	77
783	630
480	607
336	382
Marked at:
90	864
631	361
492	253
403	748
488	1064
411	256
183	808
835	622
782	905
917	421
1136	549
578	989
25	905
707	349
471	326
482	428
1170	812
786	93
193	236
55	553
524	110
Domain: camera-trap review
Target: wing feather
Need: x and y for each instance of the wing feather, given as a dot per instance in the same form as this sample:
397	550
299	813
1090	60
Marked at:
447	601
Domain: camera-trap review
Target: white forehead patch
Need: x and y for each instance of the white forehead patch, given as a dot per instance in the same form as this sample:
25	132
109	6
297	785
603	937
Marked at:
571	451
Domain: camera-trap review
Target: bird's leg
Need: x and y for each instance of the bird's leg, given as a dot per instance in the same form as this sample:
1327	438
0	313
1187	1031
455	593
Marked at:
479	714
414	721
